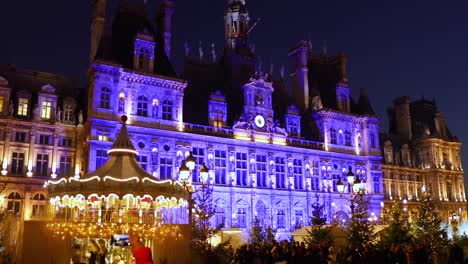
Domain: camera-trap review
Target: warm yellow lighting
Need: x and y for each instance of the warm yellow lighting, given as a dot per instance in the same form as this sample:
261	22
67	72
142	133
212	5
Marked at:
242	136
121	180
261	139
29	173
131	151
4	167
54	169
279	142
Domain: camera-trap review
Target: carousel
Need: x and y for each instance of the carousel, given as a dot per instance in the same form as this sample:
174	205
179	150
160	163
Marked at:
118	198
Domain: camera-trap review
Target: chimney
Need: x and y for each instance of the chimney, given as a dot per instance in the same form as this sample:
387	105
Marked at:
164	18
97	26
403	117
298	55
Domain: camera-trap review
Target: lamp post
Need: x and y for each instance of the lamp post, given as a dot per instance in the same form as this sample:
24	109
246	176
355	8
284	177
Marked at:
354	186
453	217
185	176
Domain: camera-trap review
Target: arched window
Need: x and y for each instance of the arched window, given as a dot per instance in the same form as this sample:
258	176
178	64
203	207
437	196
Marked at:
105	98
333	136
14	203
167	109
142	106
347	135
39	205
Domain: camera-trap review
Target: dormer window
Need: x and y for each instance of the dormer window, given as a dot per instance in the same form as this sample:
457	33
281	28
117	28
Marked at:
333	136
144	52
143	60
23	107
105	98
46	109
68	113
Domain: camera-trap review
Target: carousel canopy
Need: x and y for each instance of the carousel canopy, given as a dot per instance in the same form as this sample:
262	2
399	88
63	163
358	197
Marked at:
121	175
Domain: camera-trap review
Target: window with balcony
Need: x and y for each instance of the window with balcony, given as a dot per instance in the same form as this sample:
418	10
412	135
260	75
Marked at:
261	171
241	168
220	167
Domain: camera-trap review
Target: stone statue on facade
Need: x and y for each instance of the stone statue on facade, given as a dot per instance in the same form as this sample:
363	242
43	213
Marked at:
316	103
58	115
37	111
80	117
11	107
154	111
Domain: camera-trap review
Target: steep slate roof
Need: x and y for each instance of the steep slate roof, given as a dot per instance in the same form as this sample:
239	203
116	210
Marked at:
117	42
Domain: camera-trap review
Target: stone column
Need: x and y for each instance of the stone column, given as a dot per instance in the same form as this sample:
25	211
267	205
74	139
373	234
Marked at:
54	158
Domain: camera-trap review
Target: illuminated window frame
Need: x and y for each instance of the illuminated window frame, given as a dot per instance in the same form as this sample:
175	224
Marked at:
23	106
46	109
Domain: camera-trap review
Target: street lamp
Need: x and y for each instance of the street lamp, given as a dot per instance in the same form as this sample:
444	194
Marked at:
185	175
454	222
354	187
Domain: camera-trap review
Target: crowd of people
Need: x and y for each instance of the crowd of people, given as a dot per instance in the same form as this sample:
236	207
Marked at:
297	253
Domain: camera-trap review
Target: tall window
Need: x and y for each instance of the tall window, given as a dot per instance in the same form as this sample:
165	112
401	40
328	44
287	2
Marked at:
241	218
65	165
68	113
220	167
167	109
298	218
42	164
261	171
66	142
241	168
14	203
44	139
1	103
143	60
23	106
280	219
46	109
220	217
280	172
347	138
101	157
165	169
143	161
314	181
372	141
17	163
105	98
333	136
298	176
293	127
217	119
38	207
20	136
142	106
199	155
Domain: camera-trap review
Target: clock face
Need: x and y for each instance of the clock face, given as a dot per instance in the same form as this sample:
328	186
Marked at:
259	121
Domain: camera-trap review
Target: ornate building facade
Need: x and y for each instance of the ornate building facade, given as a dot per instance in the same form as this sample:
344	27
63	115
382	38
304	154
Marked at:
271	152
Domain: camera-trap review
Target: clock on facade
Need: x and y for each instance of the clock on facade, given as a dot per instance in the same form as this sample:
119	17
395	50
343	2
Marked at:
259	121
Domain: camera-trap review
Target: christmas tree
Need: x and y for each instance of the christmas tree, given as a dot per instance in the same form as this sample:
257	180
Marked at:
428	229
398	229
360	232
318	232
257	234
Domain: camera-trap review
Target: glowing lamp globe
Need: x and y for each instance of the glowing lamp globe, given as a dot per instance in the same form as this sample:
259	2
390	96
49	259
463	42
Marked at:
190	161
357	185
350	176
204	173
184	172
340	186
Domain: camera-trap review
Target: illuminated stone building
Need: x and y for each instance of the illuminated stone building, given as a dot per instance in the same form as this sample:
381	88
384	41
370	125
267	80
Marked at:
271	149
418	151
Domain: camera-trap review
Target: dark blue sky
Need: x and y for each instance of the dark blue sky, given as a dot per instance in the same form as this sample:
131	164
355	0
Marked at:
395	48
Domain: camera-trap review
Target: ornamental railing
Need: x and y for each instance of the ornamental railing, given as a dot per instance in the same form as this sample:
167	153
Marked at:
301	143
208	130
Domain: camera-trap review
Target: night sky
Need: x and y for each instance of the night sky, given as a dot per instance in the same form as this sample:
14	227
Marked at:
400	47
